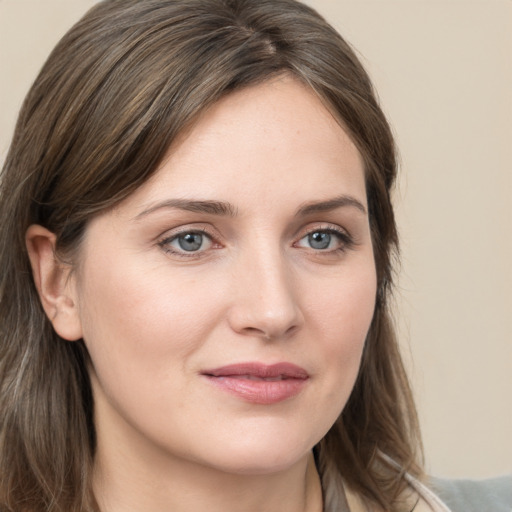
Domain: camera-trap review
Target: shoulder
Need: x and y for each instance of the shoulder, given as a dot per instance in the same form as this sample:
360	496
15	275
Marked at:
492	495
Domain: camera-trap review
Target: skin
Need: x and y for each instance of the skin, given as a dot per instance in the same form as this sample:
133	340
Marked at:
154	316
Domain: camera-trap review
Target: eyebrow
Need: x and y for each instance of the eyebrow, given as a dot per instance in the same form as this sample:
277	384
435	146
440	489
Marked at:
198	206
226	209
331	204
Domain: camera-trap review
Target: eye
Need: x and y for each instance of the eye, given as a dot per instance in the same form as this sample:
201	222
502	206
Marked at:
325	240
320	240
187	242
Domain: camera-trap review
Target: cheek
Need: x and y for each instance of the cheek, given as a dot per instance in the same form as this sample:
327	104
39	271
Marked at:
142	333
139	321
343	308
341	316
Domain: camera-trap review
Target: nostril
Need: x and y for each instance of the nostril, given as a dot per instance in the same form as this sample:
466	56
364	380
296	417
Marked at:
291	330
254	331
269	336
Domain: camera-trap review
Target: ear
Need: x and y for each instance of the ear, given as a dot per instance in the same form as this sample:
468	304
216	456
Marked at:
54	282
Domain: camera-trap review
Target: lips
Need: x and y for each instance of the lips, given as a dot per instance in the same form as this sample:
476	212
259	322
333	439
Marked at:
259	383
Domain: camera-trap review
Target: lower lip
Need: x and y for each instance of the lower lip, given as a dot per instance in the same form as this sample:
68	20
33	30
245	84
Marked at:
259	391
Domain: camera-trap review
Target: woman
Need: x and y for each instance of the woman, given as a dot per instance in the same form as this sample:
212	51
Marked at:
194	304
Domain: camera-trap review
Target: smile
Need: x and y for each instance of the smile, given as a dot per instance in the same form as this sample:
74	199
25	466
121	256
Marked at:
259	383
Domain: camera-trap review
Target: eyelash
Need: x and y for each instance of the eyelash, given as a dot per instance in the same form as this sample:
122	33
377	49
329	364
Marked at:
345	239
164	243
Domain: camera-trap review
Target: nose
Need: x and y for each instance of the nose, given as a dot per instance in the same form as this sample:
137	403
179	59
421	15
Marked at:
265	301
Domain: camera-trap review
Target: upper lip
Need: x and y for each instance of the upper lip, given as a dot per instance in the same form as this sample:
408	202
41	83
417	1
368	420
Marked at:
259	370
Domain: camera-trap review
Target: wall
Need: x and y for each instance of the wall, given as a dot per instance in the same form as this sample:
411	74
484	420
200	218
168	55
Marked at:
443	70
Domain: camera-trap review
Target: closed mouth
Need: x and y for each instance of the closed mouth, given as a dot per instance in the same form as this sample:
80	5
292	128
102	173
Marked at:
259	383
259	371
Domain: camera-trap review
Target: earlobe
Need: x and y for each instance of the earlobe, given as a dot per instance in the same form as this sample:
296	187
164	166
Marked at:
54	282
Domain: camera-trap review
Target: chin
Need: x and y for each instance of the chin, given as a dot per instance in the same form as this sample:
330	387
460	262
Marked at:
262	456
260	465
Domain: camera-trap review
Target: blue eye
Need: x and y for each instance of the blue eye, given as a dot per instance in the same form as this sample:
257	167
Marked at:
319	240
325	240
190	241
187	242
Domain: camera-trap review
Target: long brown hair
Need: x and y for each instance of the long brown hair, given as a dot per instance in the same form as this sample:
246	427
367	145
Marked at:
113	95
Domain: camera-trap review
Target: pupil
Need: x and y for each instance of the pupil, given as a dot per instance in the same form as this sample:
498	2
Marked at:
191	241
320	240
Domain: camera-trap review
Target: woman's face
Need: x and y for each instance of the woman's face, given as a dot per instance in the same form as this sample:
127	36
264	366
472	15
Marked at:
225	304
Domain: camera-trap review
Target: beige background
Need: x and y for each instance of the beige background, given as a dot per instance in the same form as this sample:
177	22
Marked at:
443	70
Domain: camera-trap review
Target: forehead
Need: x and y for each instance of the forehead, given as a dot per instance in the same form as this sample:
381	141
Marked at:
267	142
